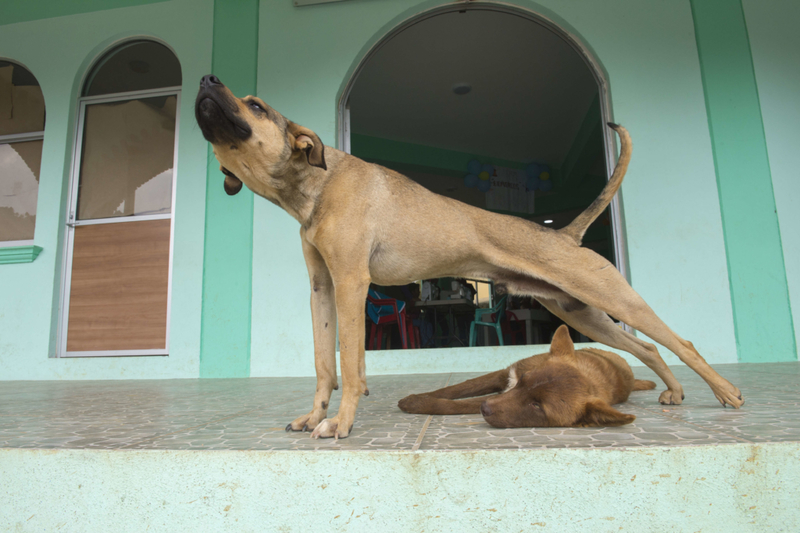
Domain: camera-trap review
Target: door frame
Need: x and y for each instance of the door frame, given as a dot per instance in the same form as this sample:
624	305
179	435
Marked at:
609	138
71	223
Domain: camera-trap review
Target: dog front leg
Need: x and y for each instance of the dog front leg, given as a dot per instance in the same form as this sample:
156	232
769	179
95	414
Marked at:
351	295
323	317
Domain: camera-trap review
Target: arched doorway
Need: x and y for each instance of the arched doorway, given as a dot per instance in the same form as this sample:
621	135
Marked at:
497	108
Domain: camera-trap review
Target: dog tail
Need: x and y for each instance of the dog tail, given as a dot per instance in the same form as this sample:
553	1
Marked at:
643	384
578	227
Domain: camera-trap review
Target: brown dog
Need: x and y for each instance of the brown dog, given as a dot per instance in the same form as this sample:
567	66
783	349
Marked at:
359	223
561	388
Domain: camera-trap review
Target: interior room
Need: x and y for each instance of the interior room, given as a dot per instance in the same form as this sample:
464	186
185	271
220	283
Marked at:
496	111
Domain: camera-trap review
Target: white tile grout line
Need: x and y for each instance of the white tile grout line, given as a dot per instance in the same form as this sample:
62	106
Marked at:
421	435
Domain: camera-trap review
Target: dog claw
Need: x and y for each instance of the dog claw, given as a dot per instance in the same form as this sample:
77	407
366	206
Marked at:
289	427
305	427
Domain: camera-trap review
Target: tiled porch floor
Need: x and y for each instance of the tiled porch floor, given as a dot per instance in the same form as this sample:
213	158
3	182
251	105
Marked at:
251	414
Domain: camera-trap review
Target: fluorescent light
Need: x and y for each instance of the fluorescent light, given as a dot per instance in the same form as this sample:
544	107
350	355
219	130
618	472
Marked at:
548	221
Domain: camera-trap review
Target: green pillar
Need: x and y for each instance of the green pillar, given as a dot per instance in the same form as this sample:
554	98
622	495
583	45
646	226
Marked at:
228	246
759	291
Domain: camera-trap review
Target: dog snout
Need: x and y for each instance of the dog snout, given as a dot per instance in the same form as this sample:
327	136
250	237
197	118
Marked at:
485	409
209	80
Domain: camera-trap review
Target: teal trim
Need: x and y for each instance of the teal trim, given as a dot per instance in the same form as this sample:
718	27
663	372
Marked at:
12	11
759	290
228	246
19	254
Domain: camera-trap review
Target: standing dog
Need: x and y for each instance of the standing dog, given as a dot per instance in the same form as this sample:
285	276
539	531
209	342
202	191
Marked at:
359	223
561	388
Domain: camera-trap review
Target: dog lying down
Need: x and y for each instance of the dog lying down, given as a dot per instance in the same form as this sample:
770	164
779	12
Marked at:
564	387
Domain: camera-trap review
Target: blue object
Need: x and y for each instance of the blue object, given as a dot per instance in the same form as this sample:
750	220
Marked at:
533	170
474	167
499	311
375	312
546	185
471	180
484	185
488	168
533	183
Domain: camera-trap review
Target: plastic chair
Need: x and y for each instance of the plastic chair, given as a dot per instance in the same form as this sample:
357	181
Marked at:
383	310
498	311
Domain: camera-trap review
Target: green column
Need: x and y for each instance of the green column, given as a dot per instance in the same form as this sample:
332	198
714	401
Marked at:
759	291
228	246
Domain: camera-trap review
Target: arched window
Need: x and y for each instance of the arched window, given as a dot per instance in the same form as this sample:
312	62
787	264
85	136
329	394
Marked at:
21	134
121	202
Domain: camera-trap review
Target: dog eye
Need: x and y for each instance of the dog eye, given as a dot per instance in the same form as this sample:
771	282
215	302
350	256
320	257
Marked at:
256	105
536	405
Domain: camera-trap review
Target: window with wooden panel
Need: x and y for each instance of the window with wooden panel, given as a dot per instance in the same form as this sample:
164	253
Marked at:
117	279
21	134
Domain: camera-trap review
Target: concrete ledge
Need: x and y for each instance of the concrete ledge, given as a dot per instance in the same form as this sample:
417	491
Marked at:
736	487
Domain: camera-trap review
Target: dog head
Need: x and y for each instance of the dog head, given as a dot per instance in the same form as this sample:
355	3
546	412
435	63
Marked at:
253	143
555	394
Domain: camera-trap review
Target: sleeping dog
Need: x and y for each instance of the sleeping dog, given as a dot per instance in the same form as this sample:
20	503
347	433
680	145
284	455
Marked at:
562	388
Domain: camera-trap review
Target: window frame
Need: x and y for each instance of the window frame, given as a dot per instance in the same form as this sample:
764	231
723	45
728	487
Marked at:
71	223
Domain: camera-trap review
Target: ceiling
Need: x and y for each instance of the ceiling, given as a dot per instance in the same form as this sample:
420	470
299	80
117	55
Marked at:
530	89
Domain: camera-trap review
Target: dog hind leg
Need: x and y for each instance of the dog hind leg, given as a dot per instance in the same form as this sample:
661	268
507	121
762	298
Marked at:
599	327
590	278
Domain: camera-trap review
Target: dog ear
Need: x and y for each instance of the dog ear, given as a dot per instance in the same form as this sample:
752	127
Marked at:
309	142
562	343
232	184
599	413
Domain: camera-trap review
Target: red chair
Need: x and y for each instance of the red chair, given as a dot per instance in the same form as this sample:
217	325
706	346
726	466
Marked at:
385	311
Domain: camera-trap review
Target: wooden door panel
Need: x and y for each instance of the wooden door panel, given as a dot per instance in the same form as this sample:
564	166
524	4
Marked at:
119	287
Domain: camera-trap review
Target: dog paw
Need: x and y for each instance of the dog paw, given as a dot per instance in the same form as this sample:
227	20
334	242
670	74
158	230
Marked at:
306	422
730	396
413	404
330	427
670	397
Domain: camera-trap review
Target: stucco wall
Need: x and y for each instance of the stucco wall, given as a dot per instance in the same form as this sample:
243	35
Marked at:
305	59
59	52
671	205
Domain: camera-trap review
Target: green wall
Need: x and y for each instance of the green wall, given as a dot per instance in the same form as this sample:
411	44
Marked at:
673	222
59	51
305	56
759	293
228	258
775	47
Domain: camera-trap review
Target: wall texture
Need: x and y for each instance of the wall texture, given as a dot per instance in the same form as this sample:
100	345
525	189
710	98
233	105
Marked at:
59	52
305	59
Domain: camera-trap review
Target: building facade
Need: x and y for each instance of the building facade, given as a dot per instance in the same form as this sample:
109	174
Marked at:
705	224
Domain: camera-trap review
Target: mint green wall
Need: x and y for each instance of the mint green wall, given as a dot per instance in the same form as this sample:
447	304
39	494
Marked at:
759	292
59	51
228	257
775	46
673	223
305	57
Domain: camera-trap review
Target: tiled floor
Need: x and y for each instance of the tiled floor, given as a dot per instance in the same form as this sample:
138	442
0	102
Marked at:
251	414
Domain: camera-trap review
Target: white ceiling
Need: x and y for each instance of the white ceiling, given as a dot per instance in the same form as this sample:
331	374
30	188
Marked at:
530	89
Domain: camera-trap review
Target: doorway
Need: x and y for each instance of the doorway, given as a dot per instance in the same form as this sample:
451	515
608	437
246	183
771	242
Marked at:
498	109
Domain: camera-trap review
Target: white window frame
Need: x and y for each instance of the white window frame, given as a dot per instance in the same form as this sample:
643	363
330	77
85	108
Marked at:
72	222
21	138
